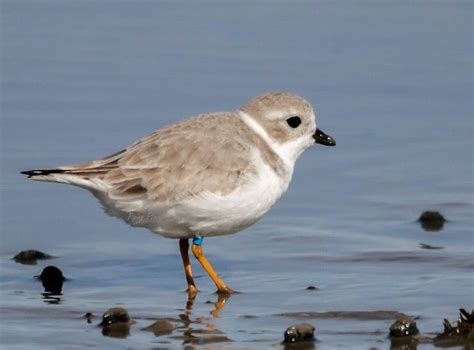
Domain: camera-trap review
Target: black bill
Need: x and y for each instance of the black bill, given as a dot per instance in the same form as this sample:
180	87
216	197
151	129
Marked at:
323	139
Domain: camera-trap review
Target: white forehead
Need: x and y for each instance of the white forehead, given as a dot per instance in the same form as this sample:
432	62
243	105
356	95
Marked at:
272	114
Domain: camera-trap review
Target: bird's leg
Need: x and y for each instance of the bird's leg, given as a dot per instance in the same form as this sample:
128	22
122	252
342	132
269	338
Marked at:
183	248
198	253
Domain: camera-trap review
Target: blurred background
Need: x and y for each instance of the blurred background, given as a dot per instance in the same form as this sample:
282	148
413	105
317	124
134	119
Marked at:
391	81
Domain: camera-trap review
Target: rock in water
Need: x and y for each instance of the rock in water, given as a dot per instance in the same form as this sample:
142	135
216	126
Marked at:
52	279
460	334
88	316
403	327
160	327
115	315
116	323
30	257
312	288
301	332
404	334
432	221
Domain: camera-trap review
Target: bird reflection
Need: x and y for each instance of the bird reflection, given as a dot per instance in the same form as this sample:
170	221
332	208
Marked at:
218	304
201	330
187	328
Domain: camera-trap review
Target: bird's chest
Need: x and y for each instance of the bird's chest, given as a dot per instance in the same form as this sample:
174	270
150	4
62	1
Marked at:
213	214
251	201
264	191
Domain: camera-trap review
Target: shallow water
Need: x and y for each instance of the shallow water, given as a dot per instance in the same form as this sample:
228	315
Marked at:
391	82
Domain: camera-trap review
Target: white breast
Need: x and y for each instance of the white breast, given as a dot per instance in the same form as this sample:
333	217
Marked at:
211	215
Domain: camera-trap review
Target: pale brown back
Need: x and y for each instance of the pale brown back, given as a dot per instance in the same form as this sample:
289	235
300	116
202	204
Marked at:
205	153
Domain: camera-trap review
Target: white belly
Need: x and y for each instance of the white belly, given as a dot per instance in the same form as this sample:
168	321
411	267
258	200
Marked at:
209	214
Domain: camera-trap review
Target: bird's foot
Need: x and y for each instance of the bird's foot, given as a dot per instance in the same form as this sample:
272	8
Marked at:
226	291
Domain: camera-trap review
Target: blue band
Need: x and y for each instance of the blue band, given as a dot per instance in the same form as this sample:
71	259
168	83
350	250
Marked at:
197	240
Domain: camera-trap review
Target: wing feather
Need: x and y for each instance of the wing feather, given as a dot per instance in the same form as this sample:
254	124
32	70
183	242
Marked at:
206	153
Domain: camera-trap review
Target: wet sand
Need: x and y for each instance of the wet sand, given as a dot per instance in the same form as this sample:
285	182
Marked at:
348	308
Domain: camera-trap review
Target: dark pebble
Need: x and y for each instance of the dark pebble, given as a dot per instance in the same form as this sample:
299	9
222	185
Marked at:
160	327
88	316
30	257
116	323
404	334
302	332
403	327
312	288
432	221
51	274
115	315
52	279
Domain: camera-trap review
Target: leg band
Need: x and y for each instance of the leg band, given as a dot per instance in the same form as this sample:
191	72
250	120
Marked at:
197	240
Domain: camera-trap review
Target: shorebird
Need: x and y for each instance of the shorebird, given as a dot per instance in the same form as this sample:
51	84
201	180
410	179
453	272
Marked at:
212	174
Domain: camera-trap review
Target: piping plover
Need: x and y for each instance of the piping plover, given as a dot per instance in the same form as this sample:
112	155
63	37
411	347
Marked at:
212	174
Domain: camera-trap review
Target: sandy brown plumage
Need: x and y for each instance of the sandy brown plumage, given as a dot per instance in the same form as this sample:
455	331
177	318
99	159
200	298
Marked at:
205	153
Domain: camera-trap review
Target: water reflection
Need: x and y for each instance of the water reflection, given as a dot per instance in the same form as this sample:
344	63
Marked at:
403	344
218	304
299	346
208	334
193	330
51	298
118	330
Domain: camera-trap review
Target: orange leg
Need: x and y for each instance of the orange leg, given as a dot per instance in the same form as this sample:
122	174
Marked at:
183	248
198	253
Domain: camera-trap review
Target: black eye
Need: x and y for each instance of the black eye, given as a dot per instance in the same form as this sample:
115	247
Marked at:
294	122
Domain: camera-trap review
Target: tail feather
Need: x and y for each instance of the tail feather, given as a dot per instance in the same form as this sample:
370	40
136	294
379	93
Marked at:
88	175
86	178
44	172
